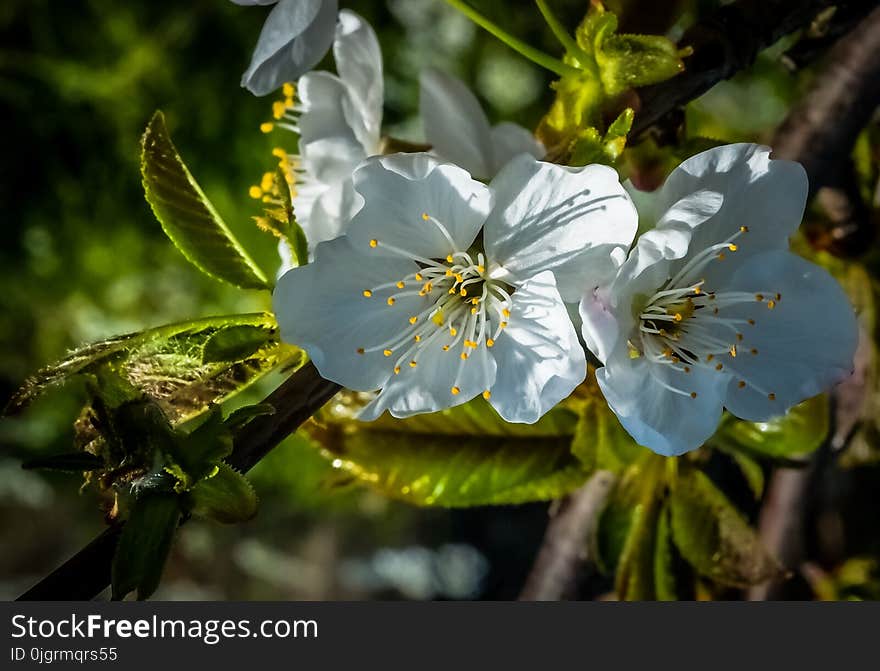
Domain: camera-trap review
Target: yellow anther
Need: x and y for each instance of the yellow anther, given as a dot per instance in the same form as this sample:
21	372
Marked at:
255	192
475	301
751	322
505	312
367	293
503	325
743	229
452	331
687	369
771	396
417	338
449	258
445	348
278	152
719	366
759	297
419	277
481	269
740	336
490	342
278	109
288	89
720	256
266	127
458	277
397	370
390	300
426	216
267	181
374	243
448	272
779	297
732	351
400	285
474	311
693	394
698	290
387	352
413	319
360	350
452	290
463	293
732	247
413	364
741	384
771	304
464	355
753	351
455	391
709	357
487	394
677	317
667	352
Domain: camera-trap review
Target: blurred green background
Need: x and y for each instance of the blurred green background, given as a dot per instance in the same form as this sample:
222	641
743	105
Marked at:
83	259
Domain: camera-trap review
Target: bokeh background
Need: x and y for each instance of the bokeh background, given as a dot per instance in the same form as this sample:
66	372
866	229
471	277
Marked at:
83	258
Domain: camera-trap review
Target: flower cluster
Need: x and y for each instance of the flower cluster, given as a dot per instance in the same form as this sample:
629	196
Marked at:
476	268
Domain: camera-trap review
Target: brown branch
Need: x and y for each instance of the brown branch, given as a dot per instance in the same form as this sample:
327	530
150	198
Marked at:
87	573
819	133
725	42
566	545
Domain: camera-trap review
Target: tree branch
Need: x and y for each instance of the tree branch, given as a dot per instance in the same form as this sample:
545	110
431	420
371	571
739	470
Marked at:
565	545
725	42
87	573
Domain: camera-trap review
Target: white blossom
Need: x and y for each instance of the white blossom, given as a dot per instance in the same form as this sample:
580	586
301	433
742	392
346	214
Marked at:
711	310
443	289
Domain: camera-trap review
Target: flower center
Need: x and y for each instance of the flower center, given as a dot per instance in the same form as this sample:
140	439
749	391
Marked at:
686	325
466	311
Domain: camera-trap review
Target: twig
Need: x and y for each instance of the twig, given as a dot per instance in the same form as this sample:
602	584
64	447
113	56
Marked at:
87	573
819	133
723	43
565	544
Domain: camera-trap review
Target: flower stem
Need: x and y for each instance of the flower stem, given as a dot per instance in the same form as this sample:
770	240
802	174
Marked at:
535	55
566	40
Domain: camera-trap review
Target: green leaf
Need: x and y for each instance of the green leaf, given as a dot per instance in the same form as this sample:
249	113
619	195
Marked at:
243	415
713	536
196	456
600	442
464	456
227	497
796	434
627	61
166	364
634	580
664	565
749	467
71	461
186	215
144	544
294	234
235	343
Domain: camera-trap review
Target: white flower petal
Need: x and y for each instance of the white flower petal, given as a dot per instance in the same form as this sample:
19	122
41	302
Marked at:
664	421
805	344
428	386
321	308
455	124
359	63
295	36
321	95
599	326
399	190
509	140
330	160
767	196
549	217
540	360
330	213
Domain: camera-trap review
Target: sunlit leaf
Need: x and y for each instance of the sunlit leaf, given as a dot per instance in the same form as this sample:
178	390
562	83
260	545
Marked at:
713	536
187	216
167	363
600	442
235	343
635	569
664	569
799	432
226	497
464	456
195	456
144	544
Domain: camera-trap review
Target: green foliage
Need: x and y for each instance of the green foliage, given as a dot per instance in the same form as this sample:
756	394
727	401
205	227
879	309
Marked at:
797	433
591	147
184	367
144	544
226	497
464	456
713	537
188	217
196	456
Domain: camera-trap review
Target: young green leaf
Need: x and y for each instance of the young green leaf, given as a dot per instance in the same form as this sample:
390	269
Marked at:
664	564
796	434
188	217
235	343
713	536
144	544
227	497
464	456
